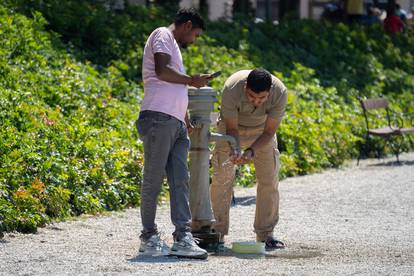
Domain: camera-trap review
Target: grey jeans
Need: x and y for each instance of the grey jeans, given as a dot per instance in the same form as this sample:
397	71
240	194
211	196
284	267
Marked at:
166	146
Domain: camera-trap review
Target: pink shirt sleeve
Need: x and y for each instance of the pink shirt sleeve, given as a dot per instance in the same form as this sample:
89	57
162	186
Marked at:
162	42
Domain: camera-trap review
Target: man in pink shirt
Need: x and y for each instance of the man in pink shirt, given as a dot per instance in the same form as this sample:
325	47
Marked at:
162	128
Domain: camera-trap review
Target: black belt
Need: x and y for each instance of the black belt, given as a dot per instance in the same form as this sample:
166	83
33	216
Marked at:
147	113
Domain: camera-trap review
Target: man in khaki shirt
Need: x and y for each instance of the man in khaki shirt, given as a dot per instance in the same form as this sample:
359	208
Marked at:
252	107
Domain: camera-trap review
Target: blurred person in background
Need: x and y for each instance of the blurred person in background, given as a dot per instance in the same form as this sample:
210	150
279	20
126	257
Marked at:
393	23
354	10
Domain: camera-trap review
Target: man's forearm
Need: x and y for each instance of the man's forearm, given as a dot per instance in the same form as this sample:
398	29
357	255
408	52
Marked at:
262	140
169	74
271	126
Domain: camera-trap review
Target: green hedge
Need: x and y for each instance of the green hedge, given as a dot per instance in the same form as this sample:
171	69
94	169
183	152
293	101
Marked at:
70	89
67	143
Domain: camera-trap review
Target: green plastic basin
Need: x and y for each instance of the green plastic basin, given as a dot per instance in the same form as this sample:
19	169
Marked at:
248	247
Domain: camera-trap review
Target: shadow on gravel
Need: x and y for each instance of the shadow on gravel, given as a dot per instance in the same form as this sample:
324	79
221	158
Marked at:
245	200
290	253
55	228
161	259
393	164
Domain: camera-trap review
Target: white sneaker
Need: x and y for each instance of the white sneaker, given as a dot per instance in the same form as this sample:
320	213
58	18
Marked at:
154	246
187	247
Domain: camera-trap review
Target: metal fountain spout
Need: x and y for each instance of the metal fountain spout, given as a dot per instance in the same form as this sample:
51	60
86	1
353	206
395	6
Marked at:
201	104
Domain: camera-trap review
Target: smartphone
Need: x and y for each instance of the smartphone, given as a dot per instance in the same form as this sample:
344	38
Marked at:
215	75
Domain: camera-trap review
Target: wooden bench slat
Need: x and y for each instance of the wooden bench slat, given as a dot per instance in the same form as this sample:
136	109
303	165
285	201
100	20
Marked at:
374	104
384	131
407	130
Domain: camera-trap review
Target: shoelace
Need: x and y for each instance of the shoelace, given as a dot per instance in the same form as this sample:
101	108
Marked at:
191	240
197	240
159	242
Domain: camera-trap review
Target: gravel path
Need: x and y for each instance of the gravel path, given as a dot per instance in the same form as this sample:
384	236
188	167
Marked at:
356	220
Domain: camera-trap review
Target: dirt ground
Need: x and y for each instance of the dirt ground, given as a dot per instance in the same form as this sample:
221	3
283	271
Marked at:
357	220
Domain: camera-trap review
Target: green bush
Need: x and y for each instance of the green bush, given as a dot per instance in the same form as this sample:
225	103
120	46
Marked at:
68	143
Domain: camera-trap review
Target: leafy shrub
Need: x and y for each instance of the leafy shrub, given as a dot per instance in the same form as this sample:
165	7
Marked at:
68	144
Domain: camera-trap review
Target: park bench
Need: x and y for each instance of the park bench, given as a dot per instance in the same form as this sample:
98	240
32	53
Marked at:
381	125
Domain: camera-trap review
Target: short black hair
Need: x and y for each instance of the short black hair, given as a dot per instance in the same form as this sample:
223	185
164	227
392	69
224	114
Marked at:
185	14
259	80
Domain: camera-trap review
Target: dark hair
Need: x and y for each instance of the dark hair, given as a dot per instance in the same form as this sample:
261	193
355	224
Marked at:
391	10
259	80
186	14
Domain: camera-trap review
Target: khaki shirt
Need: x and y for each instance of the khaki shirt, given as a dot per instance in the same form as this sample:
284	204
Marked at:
235	104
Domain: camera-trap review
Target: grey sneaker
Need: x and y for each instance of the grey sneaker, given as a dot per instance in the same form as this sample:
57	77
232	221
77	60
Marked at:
154	246
188	248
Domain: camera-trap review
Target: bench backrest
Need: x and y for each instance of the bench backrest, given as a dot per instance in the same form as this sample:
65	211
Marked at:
374	104
370	104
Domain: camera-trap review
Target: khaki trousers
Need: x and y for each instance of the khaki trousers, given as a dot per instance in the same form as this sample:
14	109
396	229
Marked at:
266	163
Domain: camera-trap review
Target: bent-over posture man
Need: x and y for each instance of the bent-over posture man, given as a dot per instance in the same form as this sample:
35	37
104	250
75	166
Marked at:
252	107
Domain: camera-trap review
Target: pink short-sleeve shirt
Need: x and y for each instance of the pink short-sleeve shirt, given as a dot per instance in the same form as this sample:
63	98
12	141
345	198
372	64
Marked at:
162	96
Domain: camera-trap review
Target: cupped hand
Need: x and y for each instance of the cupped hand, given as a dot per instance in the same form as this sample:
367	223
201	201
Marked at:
235	157
247	156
